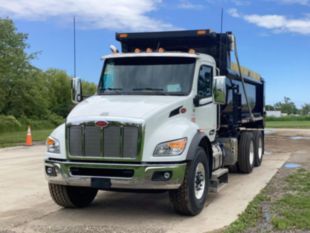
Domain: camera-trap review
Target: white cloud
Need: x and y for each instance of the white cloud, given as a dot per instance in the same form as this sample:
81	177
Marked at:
241	2
185	4
276	23
300	2
233	12
107	14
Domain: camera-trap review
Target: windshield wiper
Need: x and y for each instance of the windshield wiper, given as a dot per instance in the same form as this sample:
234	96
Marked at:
148	89
112	89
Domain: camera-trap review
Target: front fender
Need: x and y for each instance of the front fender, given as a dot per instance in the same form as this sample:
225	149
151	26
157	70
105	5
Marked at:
173	128
59	134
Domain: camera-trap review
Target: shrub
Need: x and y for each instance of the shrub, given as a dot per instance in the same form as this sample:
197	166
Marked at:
289	118
9	123
50	123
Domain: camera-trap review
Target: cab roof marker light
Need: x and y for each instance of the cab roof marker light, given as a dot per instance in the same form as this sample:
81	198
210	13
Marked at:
161	50
137	50
202	32
123	35
191	51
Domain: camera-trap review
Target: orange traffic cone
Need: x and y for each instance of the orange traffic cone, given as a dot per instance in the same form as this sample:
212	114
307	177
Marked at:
29	137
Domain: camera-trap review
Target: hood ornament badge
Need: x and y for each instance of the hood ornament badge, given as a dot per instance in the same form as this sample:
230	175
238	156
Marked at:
102	124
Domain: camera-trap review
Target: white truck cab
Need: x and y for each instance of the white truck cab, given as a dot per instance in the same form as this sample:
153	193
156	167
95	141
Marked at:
160	120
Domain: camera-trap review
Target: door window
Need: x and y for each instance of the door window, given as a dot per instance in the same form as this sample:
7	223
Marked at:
205	81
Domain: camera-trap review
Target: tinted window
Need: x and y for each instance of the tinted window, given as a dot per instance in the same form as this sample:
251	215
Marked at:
205	82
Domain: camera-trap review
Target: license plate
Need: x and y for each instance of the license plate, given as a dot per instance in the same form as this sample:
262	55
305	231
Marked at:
101	183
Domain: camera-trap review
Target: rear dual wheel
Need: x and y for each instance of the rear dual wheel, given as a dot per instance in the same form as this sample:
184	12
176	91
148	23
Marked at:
246	152
258	148
251	150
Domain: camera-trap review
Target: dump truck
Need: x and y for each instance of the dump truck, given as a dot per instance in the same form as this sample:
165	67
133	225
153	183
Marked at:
172	112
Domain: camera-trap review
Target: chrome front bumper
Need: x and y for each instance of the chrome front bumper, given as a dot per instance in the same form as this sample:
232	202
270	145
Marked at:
142	178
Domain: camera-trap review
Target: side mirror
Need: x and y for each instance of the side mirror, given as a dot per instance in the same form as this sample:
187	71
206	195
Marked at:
219	89
76	90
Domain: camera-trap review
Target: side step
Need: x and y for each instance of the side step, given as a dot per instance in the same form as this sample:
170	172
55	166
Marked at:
218	180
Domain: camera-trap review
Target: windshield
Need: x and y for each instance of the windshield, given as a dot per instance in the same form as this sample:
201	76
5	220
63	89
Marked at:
147	76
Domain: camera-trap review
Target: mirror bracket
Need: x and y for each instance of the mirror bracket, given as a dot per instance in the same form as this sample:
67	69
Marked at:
196	101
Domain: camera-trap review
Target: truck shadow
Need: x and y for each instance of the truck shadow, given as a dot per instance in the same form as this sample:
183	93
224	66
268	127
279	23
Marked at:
110	207
127	205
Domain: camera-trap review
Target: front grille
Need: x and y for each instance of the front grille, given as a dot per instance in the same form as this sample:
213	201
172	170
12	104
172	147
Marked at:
113	141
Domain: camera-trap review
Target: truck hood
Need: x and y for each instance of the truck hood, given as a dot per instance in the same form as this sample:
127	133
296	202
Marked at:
124	106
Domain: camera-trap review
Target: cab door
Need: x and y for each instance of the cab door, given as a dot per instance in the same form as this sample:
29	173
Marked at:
205	108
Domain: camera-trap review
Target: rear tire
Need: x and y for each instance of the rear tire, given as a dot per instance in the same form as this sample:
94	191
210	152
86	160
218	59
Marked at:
246	152
190	198
258	148
72	197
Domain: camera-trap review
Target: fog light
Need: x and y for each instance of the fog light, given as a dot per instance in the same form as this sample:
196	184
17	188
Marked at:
50	171
161	176
167	175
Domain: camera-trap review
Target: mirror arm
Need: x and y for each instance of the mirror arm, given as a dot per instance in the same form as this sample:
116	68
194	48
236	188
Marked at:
196	101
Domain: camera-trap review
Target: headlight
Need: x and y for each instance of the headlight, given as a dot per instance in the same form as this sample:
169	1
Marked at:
53	145
175	147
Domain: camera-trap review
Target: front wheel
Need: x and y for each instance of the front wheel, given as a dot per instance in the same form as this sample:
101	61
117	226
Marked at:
72	197
190	198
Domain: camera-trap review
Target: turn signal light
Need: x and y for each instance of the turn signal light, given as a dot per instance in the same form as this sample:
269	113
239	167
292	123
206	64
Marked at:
178	145
50	141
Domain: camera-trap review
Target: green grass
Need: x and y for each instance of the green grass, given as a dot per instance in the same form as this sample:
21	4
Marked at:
18	138
293	209
249	217
289	212
288	124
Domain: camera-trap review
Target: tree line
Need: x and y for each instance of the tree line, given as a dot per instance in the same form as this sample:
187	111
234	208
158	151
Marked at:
29	95
289	107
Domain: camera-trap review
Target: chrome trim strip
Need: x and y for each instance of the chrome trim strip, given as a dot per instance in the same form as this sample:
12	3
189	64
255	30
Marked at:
142	178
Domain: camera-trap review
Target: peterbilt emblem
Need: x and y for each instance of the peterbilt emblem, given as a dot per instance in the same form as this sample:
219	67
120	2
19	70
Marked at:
101	124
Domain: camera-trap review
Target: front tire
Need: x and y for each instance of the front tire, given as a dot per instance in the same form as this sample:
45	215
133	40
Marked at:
190	198
72	197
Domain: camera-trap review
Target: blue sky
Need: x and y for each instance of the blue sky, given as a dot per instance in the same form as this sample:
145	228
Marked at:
273	35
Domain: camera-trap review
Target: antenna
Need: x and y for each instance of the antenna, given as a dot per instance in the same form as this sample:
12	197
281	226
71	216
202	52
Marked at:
222	19
74	49
220	45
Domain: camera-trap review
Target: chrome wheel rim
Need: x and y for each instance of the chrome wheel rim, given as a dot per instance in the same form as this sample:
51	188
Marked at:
260	148
251	153
200	180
